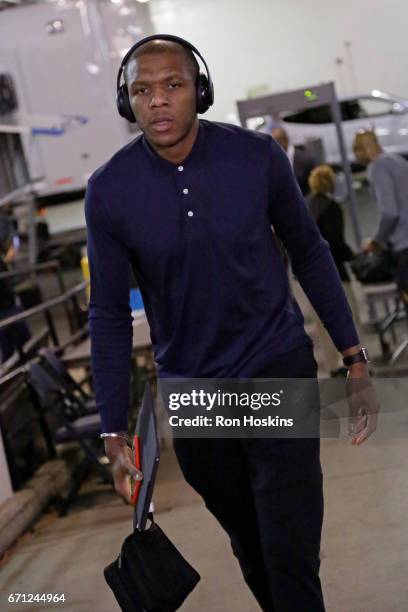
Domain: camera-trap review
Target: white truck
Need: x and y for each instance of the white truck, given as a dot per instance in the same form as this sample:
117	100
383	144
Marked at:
58	66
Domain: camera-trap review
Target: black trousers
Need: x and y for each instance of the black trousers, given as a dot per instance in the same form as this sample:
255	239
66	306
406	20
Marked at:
267	493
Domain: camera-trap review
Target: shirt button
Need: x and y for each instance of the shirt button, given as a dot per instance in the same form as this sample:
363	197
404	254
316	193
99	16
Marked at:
185	190
190	213
180	168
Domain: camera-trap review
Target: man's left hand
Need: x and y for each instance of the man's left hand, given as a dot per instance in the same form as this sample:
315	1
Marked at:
363	403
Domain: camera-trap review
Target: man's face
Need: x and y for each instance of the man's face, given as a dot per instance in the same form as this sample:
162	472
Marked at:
162	95
360	152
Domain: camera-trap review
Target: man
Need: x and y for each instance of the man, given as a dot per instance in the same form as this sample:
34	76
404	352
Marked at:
302	162
388	176
189	205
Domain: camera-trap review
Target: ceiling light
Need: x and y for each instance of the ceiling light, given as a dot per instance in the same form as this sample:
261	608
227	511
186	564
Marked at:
125	11
55	27
93	68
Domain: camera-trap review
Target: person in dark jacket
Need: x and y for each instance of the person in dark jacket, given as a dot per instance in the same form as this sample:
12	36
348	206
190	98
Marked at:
328	215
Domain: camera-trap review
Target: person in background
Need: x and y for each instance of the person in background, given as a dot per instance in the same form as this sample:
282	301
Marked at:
328	215
14	336
388	177
8	221
42	233
301	161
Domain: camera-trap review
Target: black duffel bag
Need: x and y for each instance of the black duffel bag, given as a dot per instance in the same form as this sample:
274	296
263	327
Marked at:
373	267
150	574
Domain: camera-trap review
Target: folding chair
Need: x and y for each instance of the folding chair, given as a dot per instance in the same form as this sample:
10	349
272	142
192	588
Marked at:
58	370
49	397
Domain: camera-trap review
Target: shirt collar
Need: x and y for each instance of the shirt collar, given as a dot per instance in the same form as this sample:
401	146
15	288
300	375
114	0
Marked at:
163	166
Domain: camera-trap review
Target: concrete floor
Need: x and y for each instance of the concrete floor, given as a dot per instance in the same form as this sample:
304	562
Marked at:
68	555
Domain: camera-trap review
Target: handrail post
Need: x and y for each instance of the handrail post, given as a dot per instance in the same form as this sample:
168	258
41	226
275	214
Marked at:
51	327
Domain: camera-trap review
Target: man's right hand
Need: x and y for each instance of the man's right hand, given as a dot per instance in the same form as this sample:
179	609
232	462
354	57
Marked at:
123	468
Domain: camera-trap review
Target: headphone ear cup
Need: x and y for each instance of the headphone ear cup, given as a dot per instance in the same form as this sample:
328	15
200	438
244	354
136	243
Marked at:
123	104
203	93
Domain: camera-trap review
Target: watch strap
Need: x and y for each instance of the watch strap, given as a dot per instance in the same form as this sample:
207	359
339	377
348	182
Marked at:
361	356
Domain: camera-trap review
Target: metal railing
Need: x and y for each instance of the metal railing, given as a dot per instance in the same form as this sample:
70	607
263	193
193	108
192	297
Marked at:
71	295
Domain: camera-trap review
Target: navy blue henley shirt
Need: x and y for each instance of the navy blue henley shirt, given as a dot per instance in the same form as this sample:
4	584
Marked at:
198	238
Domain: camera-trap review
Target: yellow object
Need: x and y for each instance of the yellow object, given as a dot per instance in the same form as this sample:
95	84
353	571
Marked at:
86	275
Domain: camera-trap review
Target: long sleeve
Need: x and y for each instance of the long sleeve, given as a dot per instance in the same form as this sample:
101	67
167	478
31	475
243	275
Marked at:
384	189
309	253
110	319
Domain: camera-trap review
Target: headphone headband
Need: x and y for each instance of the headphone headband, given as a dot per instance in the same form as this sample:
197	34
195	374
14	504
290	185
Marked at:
171	38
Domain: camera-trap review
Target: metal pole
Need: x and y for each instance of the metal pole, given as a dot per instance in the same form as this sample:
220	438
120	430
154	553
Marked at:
51	327
346	167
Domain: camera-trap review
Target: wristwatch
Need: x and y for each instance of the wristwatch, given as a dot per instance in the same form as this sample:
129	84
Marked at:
361	356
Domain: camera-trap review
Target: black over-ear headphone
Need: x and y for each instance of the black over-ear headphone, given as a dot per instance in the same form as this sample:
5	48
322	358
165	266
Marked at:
204	84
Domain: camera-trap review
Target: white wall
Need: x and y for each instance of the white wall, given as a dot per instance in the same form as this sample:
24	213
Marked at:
291	43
